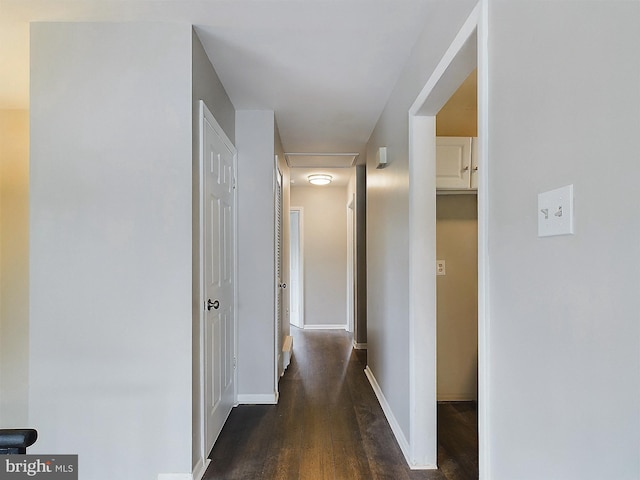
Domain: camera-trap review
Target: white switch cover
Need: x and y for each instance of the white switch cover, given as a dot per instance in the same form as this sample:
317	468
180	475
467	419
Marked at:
555	212
440	268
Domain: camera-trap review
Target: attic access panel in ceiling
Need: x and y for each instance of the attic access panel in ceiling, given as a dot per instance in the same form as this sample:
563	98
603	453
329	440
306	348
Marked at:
321	160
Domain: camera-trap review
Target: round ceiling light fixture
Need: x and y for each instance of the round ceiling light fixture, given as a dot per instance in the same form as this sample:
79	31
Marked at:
319	179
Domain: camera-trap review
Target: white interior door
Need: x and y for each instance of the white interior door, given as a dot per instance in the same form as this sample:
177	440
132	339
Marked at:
218	223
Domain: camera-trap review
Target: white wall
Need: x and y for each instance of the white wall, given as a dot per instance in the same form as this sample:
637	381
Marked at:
111	225
14	267
564	361
457	297
388	215
325	254
256	256
205	86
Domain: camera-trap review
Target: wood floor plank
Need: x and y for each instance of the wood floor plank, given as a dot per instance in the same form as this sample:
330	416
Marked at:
328	425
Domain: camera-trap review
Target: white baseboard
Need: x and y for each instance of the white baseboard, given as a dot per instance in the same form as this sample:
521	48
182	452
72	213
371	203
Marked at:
325	327
199	469
395	426
359	346
456	397
258	398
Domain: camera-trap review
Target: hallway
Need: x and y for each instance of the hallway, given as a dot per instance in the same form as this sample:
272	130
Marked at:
329	425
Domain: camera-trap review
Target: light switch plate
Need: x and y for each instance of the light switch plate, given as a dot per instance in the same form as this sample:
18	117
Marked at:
440	267
555	212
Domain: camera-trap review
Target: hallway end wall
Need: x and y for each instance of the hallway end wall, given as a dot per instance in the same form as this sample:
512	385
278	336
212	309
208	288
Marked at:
325	254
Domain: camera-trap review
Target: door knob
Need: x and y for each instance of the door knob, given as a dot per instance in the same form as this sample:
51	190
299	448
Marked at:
215	305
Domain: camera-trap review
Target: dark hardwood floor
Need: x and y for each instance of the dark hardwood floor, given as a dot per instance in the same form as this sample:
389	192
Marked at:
328	425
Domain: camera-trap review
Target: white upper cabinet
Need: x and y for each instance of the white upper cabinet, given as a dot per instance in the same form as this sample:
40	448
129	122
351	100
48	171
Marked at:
456	163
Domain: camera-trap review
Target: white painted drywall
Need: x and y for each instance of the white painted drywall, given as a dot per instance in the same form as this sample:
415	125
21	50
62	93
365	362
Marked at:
111	225
564	361
325	254
388	215
256	256
14	267
205	86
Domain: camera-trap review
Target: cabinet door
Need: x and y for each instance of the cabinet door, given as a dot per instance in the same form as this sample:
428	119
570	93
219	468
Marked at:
474	163
453	162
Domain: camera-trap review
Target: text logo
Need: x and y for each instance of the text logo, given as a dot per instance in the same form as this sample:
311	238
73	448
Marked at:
50	467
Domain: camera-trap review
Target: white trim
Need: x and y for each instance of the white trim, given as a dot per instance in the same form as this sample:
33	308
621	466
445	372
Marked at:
422	292
175	476
455	66
204	112
444	68
484	316
277	267
200	469
359	346
326	327
395	426
258	398
456	397
300	285
351	264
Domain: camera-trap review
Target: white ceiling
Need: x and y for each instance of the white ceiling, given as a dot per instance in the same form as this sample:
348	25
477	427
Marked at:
326	67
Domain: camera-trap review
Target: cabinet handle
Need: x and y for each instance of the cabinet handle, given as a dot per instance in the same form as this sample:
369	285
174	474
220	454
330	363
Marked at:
475	169
465	169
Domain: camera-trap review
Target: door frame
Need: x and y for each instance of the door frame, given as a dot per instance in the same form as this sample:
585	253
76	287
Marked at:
278	197
300	284
351	270
204	112
468	50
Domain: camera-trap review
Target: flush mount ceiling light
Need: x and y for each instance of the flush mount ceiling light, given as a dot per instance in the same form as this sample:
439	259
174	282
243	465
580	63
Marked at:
319	179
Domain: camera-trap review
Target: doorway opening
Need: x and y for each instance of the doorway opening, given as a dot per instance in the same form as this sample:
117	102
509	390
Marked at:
457	280
466	53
